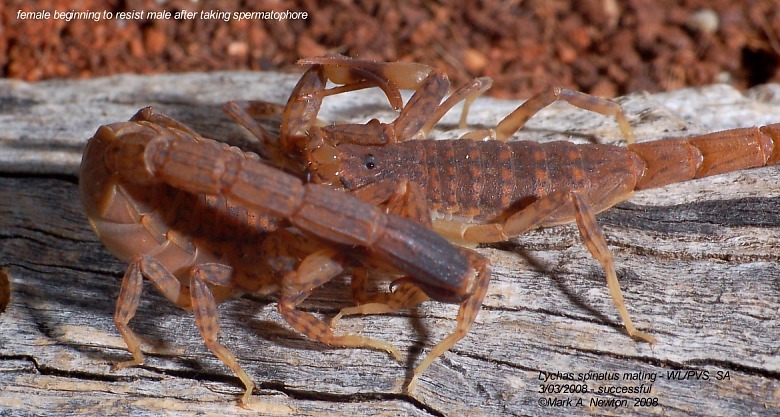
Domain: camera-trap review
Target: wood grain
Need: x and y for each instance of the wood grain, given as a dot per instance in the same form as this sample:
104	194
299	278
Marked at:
698	263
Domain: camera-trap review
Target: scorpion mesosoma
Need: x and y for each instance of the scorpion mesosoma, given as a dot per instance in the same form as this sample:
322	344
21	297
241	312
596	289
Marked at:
490	190
205	222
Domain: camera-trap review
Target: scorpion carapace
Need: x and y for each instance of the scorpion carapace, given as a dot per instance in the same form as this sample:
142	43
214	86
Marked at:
492	190
204	222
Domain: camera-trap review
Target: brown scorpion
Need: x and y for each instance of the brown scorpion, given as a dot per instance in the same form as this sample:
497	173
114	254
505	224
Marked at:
205	222
491	190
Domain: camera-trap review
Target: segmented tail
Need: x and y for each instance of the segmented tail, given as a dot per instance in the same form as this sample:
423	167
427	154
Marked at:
669	161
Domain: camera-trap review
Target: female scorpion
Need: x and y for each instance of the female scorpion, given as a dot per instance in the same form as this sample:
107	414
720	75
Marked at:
492	190
204	222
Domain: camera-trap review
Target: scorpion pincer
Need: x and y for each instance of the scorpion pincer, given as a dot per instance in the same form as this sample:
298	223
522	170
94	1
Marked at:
493	190
205	222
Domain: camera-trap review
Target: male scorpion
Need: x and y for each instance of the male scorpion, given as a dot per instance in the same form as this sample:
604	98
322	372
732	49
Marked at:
204	222
490	190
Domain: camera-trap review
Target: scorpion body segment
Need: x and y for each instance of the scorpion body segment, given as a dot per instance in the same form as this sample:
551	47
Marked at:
674	160
151	218
205	222
487	181
484	181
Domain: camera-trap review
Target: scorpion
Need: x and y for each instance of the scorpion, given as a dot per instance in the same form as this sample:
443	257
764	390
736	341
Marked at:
205	222
480	190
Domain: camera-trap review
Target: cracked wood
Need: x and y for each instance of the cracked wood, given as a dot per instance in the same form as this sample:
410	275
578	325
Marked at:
698	263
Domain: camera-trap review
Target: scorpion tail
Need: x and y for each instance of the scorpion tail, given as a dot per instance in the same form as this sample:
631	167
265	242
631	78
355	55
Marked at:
669	161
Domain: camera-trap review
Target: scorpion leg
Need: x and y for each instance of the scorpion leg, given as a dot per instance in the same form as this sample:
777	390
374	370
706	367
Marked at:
597	245
516	224
299	113
466	93
404	295
316	270
244	113
467	314
207	317
421	107
534	216
130	295
306	97
517	119
392	76
402	198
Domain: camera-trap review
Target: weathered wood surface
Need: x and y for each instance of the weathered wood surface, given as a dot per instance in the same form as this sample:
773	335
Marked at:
698	262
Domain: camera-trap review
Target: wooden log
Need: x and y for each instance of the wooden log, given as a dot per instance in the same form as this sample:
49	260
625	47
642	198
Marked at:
698	263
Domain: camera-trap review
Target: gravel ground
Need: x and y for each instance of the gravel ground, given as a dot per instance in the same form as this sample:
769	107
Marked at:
605	47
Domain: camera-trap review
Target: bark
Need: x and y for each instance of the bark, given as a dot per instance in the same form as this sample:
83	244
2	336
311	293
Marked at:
698	264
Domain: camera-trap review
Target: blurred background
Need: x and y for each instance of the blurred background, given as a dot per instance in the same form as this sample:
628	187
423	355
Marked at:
604	47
